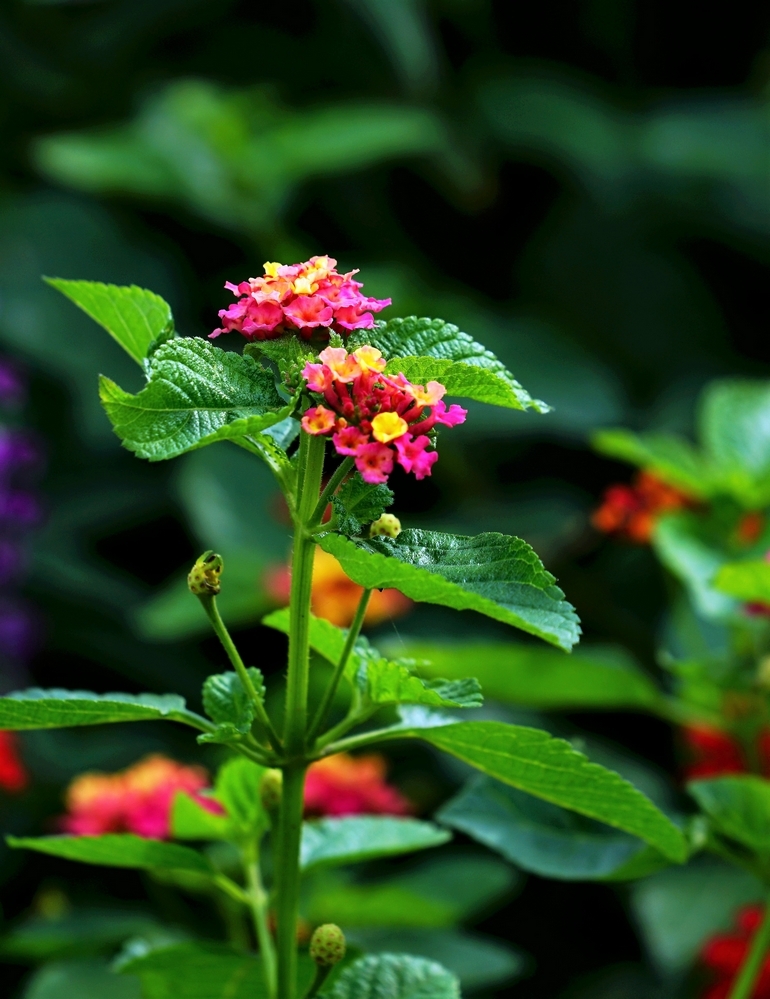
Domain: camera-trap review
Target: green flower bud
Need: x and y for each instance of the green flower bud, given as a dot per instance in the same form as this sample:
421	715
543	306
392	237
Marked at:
327	945
203	578
387	526
271	790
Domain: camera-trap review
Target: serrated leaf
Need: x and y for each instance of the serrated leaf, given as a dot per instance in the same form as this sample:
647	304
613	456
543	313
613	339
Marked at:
738	806
395	976
36	708
135	317
190	820
238	789
357	838
533	761
392	682
538	677
749	581
538	836
673	459
116	850
494	574
416	343
197	393
226	702
359	503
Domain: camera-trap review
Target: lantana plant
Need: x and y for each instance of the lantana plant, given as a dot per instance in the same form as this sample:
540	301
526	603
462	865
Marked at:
333	401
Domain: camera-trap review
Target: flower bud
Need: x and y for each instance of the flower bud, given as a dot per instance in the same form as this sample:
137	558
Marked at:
327	945
387	526
203	578
271	790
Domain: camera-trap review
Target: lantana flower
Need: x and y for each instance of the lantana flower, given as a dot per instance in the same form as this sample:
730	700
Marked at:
301	298
632	511
378	419
352	785
137	800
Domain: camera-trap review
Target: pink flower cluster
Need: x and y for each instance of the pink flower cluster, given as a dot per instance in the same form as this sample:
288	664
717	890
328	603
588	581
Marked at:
299	298
378	419
137	800
352	785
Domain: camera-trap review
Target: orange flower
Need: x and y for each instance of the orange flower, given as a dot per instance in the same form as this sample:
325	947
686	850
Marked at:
631	511
335	596
352	785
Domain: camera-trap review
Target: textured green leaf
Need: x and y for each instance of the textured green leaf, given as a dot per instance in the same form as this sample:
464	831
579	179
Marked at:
493	574
55	708
411	345
749	581
533	761
135	317
197	393
738	806
387	682
225	701
80	980
536	835
734	424
116	850
539	677
190	820
673	459
395	976
357	838
358	503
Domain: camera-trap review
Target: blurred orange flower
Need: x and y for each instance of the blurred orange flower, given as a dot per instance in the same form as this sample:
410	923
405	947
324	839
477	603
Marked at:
631	511
335	596
352	785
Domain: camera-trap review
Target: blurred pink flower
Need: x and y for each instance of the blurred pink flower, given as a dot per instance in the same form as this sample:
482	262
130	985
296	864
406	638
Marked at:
352	785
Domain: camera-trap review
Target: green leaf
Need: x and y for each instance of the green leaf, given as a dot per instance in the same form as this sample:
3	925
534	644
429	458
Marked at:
190	820
682	547
395	976
116	850
237	788
533	761
749	581
135	317
734	425
225	701
671	458
387	682
539	677
80	980
358	503
493	574
738	807
56	708
536	835
197	393
427	349
357	838
325	638
81	932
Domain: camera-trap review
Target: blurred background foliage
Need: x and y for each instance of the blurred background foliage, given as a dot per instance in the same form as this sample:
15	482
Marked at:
583	186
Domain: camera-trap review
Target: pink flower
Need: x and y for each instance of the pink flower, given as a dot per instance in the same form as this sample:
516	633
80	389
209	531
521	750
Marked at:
318	377
413	457
448	417
308	311
352	785
349	440
374	462
350	319
318	420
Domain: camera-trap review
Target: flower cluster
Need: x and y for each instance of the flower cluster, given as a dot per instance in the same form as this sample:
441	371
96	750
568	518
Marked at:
725	953
334	595
631	511
137	800
299	298
352	785
712	752
378	419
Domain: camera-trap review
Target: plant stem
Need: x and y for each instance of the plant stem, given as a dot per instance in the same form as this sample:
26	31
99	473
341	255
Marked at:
321	974
353	632
258	906
331	487
210	606
743	986
287	877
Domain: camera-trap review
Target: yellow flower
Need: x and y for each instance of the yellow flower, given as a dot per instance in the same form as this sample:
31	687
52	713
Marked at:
387	427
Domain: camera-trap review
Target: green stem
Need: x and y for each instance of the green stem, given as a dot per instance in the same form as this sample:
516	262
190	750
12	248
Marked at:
366	739
353	632
321	974
353	718
210	606
330	489
743	986
258	906
287	877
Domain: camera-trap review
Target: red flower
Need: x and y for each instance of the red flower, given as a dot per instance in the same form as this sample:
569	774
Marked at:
13	775
631	511
724	954
352	785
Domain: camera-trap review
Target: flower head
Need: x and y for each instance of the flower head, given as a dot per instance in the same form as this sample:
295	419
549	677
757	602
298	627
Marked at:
378	419
632	511
137	800
352	785
299	298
